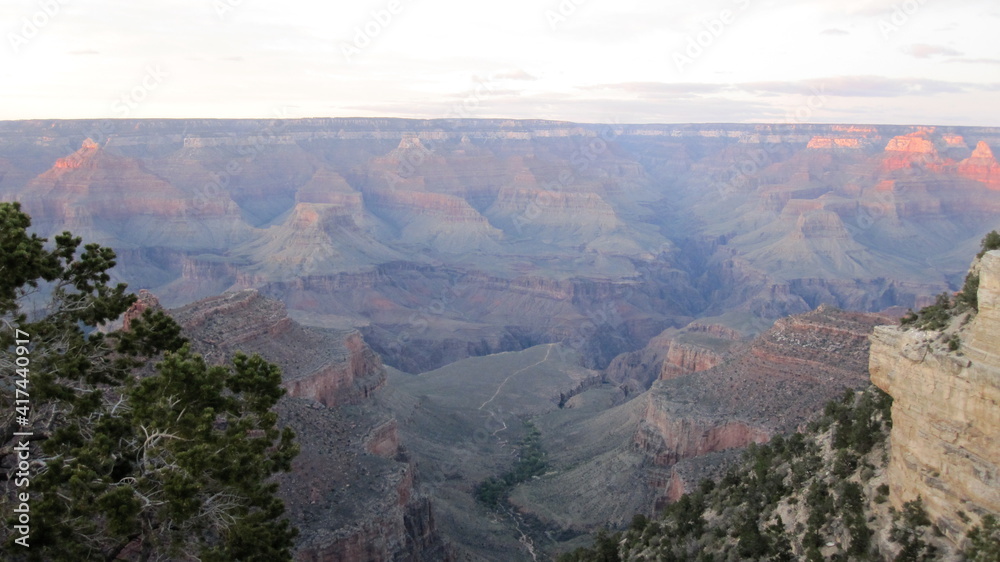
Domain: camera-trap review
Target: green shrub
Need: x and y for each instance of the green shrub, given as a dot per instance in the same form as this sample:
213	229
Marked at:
984	541
531	462
990	242
969	295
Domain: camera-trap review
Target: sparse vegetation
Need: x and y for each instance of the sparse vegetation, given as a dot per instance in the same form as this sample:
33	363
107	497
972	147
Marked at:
745	515
938	315
493	491
932	317
990	242
984	541
909	529
968	297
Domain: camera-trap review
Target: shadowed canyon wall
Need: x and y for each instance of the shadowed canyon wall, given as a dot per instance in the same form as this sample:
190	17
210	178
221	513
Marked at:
351	491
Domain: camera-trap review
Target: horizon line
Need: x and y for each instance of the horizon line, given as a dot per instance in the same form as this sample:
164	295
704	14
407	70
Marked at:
493	119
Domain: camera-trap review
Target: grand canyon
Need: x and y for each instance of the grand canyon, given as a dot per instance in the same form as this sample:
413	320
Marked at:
646	300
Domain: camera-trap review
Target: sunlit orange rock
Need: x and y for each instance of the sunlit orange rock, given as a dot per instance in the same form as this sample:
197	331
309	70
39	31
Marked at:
982	166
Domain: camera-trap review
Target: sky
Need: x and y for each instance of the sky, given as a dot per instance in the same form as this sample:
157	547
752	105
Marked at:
929	62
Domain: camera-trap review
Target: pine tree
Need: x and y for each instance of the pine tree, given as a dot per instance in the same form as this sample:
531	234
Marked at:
127	459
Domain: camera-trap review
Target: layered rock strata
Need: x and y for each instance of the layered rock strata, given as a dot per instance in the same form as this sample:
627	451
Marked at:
351	491
946	412
683	221
331	367
770	385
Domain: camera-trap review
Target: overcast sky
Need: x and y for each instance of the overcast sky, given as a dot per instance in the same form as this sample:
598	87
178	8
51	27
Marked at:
931	62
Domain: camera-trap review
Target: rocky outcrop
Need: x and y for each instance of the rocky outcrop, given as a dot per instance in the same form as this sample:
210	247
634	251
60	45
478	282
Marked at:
770	385
144	301
908	150
671	354
670	432
981	166
331	367
351	491
106	196
383	441
946	412
849	143
688	358
357	378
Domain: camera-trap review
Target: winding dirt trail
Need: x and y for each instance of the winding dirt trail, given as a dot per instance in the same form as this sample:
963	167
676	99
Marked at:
521	370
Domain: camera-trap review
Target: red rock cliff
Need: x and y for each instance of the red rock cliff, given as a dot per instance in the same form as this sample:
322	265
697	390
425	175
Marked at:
328	366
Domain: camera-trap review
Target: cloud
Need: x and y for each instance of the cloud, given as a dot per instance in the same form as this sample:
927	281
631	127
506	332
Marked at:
518	74
839	86
661	89
977	61
485	91
858	86
925	51
858	7
834	31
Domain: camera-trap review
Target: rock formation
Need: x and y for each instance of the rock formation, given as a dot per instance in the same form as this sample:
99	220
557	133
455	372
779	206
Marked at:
351	491
946	412
981	166
673	353
441	239
649	450
116	200
771	385
145	301
331	367
905	151
851	143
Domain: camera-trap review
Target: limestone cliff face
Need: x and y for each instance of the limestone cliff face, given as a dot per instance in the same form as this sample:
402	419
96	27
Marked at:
946	412
850	143
687	358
